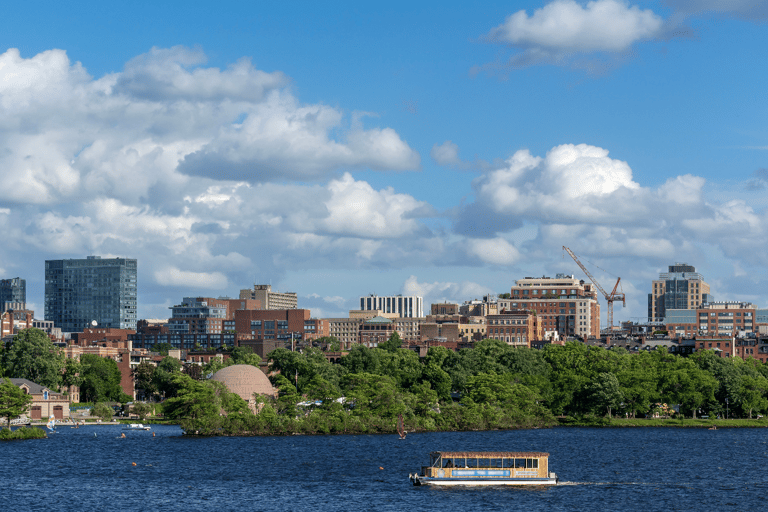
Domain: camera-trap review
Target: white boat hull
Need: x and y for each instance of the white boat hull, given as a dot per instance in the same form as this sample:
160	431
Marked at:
420	480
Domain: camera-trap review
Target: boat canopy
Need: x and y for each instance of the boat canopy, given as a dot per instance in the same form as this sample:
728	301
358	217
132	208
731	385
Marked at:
489	455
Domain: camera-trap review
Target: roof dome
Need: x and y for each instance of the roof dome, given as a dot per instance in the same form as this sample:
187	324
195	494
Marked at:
245	380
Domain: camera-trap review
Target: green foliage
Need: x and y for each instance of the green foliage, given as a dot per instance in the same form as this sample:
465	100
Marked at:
13	401
100	380
103	411
143	378
6	434
393	343
162	348
141	410
32	356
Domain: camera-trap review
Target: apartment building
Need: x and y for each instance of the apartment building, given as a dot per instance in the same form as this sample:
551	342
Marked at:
405	307
269	299
565	306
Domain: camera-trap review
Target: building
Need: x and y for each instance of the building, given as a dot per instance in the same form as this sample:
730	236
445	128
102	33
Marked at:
12	291
79	292
480	308
45	402
206	315
712	319
405	307
680	288
516	328
269	299
279	325
565	306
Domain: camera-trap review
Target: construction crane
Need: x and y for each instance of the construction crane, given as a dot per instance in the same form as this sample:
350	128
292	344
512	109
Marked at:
609	297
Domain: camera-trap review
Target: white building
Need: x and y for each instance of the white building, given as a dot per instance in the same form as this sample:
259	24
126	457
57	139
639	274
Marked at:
405	307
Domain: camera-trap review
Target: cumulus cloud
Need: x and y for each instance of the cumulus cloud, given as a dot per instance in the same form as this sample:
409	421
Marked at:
564	28
442	291
165	117
172	276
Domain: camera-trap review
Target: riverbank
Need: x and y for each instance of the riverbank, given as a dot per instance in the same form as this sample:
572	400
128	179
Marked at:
661	422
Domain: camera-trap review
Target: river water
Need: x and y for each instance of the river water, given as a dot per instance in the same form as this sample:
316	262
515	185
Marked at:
648	469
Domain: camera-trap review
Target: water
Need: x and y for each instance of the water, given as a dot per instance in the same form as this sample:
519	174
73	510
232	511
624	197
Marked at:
644	469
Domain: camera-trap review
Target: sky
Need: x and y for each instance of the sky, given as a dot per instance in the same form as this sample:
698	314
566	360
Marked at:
423	148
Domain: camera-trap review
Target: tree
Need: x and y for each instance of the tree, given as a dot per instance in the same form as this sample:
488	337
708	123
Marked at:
32	356
101	380
165	372
243	355
73	370
393	343
144	378
162	348
605	393
103	411
13	401
141	410
194	370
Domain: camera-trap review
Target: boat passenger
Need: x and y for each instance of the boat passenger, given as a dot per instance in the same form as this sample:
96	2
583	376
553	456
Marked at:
449	463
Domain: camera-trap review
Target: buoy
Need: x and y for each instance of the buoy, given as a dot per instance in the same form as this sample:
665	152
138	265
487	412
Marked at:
133	463
380	467
153	434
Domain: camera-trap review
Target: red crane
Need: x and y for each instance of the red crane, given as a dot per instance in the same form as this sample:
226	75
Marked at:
609	297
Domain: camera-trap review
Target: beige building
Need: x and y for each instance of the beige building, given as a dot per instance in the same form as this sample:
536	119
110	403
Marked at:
269	299
516	328
680	288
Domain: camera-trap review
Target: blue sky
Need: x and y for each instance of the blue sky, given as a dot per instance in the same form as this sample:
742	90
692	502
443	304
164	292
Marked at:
440	149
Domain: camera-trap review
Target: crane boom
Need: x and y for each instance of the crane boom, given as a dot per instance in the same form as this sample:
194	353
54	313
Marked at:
610	298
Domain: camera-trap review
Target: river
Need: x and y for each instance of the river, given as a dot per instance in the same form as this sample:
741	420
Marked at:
648	469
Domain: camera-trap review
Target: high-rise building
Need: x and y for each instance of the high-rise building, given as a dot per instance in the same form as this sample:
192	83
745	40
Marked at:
269	299
680	288
406	307
80	291
12	291
563	305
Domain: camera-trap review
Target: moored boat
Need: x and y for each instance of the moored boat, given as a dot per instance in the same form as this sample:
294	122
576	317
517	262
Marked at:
486	468
136	426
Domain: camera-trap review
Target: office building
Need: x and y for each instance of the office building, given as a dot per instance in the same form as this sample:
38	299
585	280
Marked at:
81	291
405	307
680	288
269	299
12	291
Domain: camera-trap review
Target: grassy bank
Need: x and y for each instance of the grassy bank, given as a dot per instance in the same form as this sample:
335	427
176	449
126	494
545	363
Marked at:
659	422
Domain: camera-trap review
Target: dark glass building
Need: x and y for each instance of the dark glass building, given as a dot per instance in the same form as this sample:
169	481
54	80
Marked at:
12	291
77	292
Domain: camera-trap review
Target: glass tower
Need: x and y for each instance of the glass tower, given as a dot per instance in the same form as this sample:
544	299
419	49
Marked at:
13	291
78	292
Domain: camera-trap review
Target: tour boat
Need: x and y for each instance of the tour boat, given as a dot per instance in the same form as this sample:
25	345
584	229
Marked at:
136	426
486	468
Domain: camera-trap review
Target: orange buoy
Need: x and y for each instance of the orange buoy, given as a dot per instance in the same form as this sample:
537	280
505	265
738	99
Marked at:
133	463
380	467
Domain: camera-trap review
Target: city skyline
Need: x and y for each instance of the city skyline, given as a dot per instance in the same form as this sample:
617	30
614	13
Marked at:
398	149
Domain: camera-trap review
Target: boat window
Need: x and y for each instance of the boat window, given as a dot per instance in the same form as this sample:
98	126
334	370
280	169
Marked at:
448	463
535	463
520	463
495	463
509	463
461	463
471	463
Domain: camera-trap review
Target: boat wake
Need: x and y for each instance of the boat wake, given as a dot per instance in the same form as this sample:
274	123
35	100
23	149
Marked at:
666	484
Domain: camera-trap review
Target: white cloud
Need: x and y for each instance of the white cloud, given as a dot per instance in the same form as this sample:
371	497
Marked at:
355	208
445	291
495	251
563	28
446	154
172	276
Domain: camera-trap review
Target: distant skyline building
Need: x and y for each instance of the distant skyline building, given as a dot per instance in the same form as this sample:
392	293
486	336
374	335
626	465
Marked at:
12	291
402	306
80	291
680	288
269	299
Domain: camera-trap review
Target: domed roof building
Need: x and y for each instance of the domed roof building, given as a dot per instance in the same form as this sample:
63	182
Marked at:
245	380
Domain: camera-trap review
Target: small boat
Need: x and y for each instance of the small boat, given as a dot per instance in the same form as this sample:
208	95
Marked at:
51	424
486	468
136	426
